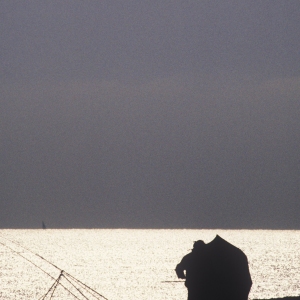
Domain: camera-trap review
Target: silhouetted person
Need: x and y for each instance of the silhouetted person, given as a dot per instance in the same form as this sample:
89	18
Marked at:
191	269
215	271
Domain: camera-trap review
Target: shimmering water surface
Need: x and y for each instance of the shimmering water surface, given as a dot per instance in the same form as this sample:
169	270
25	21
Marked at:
135	264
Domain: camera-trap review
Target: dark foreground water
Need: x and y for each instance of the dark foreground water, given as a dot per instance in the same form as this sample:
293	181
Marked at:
135	264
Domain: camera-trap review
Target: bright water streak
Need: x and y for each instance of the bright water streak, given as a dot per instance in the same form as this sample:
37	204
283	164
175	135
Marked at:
133	264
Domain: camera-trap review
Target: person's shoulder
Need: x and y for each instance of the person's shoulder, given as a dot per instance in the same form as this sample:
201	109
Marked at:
188	256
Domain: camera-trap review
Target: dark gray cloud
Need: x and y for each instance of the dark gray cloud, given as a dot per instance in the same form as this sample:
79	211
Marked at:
173	114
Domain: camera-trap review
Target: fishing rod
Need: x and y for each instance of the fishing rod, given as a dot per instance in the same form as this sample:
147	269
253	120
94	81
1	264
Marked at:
170	281
39	269
56	280
62	273
73	278
53	286
20	245
18	253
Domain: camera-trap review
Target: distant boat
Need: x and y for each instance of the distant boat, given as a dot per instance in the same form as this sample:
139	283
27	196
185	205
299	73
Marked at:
43	225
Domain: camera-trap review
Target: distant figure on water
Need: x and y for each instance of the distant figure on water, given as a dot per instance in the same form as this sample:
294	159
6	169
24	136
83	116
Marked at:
215	271
43	225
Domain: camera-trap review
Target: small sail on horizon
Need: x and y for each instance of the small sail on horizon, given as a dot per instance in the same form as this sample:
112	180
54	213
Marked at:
43	225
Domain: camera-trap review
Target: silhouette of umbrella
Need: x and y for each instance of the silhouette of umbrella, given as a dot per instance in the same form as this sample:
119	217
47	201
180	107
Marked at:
226	270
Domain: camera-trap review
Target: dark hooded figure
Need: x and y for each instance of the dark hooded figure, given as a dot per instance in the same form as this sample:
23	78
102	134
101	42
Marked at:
215	271
191	269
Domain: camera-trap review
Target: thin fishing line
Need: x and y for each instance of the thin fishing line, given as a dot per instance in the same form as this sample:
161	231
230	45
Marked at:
43	297
53	286
38	268
87	290
20	245
75	279
59	283
86	286
76	288
168	281
54	289
18	253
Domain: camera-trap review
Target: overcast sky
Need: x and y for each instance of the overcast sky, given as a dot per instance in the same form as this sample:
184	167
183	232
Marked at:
150	114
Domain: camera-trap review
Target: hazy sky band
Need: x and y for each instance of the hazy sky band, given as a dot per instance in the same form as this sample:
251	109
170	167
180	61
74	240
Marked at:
152	114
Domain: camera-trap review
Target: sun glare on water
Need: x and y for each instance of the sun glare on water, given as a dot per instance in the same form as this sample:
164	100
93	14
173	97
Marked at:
135	264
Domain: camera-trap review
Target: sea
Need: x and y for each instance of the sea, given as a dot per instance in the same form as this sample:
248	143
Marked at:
121	264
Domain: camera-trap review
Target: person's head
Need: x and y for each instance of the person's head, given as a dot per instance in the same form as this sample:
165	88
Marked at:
198	245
